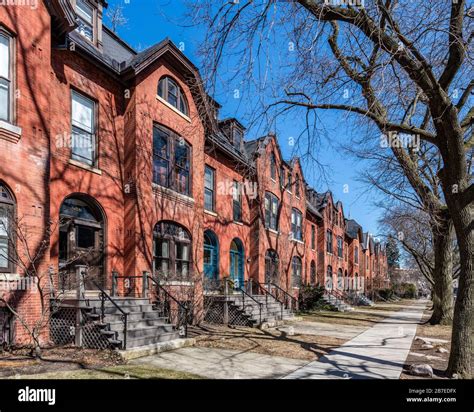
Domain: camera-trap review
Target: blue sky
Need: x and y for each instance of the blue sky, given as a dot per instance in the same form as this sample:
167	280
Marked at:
149	21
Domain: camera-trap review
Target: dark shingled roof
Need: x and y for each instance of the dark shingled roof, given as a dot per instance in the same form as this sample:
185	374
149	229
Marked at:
352	228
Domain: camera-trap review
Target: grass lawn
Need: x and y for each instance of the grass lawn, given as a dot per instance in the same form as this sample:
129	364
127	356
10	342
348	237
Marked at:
114	372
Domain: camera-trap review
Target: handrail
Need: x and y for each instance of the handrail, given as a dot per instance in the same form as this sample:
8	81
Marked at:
104	295
267	292
292	298
244	293
181	305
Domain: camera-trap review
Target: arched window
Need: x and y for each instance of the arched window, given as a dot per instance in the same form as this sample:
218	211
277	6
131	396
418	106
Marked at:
172	251
312	273
329	277
328	241
81	241
297	185
271	266
169	90
296	273
7	241
211	256
273	169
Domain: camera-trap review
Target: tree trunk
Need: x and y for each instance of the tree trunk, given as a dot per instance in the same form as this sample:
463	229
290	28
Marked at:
443	272
460	359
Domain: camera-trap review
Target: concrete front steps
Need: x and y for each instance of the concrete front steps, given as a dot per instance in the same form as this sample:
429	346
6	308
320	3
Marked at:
272	312
145	325
337	303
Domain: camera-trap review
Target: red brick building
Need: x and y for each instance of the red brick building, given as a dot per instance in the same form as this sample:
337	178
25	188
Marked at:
118	160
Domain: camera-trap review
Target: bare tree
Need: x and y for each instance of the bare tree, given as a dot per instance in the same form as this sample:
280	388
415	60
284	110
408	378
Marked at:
406	68
116	17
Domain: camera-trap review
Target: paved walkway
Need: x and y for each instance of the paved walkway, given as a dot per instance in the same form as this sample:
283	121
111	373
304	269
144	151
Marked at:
332	330
223	363
378	353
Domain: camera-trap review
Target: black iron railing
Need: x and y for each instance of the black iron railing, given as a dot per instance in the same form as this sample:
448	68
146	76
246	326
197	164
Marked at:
245	295
266	291
104	296
290	301
177	314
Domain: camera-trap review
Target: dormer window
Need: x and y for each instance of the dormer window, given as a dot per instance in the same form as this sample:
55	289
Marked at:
237	137
169	91
85	13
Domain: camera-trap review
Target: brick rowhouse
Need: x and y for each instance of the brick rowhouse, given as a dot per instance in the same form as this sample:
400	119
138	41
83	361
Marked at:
118	160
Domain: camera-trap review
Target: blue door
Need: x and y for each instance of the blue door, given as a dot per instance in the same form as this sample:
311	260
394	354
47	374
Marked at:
211	256
237	263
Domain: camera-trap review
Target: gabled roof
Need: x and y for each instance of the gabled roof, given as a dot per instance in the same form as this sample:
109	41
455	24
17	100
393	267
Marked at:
353	229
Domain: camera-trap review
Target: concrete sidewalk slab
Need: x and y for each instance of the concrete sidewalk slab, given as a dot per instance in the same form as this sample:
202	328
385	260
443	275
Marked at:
332	330
378	353
223	363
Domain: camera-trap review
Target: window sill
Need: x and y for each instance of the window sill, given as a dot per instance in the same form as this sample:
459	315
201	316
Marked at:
170	106
297	241
210	212
171	193
275	232
85	166
237	222
9	132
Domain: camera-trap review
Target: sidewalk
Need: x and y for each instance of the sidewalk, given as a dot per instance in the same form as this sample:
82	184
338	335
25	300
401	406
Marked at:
377	353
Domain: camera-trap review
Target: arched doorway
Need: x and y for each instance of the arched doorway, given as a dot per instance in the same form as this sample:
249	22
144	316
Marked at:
237	262
346	281
356	282
312	273
329	277
211	257
339	279
272	267
172	251
81	241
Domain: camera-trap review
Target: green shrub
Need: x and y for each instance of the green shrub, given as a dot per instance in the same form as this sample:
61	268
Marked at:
311	298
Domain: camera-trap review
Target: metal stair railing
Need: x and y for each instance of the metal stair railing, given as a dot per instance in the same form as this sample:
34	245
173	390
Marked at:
293	305
167	312
231	283
124	315
267	293
182	307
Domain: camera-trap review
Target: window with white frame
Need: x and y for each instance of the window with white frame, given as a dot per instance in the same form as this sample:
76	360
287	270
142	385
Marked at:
170	91
271	211
6	77
296	224
83	145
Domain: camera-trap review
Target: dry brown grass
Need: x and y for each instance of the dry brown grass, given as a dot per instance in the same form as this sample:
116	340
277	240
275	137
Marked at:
269	342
